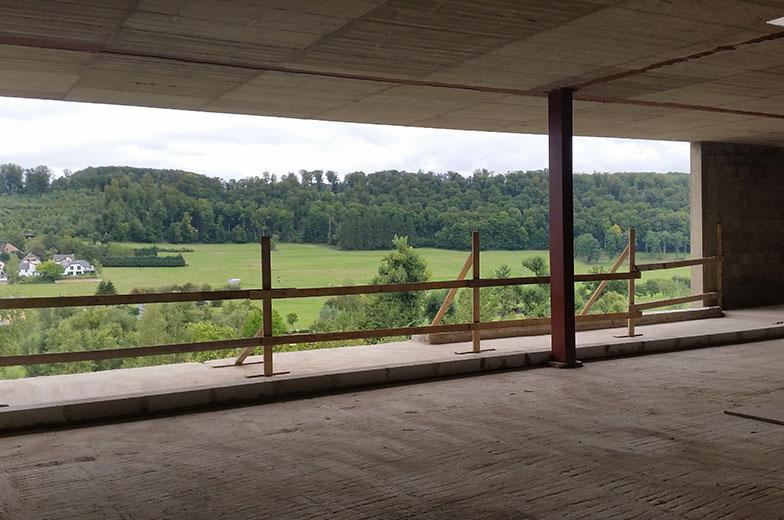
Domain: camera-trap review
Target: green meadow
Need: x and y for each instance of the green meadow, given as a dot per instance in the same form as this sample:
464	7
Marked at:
296	265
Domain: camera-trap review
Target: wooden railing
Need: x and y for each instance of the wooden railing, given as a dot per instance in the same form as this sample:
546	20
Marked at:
635	309
264	337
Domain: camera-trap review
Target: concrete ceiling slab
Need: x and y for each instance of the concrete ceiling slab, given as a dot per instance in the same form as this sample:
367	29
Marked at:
692	69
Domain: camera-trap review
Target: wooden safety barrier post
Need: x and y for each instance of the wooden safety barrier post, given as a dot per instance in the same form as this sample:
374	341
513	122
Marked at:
476	308
632	267
453	291
259	333
719	266
266	302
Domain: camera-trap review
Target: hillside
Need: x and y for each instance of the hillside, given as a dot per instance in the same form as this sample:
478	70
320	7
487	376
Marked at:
361	211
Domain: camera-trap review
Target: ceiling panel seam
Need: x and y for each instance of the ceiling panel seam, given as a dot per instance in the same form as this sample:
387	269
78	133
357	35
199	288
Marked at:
682	59
120	24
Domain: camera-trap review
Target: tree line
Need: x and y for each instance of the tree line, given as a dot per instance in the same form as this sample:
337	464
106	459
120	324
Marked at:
358	211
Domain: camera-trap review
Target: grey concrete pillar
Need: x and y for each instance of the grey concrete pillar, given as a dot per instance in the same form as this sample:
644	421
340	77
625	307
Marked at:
742	188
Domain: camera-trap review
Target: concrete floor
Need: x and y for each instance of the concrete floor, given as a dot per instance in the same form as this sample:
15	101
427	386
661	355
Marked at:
641	437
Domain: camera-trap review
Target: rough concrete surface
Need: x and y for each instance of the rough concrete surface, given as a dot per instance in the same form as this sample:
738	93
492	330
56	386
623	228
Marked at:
708	70
151	390
642	437
739	187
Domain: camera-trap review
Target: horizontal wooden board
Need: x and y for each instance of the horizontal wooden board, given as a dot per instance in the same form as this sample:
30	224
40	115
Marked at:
675	301
678	263
117	353
286	293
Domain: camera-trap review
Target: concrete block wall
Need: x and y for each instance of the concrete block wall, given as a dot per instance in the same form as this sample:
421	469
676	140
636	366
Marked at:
741	187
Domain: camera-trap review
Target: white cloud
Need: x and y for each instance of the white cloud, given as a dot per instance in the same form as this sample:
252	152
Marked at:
75	135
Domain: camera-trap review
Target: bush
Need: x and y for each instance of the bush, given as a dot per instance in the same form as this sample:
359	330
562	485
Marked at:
49	271
144	261
146	251
173	249
105	288
586	248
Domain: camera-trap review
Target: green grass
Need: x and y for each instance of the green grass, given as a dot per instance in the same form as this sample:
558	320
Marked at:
296	265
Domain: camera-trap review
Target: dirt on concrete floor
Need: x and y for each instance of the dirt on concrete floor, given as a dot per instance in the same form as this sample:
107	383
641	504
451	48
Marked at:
642	437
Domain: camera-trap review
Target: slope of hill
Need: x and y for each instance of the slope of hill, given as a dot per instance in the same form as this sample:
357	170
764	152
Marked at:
361	211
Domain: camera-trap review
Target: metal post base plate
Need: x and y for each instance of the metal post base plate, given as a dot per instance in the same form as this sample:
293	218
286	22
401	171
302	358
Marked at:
262	375
560	364
472	352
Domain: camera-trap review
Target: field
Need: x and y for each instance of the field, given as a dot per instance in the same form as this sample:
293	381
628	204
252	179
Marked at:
295	265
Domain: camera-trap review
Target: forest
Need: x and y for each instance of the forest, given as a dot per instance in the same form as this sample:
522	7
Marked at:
360	211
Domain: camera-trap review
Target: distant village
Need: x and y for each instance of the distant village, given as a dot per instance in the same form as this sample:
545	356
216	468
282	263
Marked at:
29	263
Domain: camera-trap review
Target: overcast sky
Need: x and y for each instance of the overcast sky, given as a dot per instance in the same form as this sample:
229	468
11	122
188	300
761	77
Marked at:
76	135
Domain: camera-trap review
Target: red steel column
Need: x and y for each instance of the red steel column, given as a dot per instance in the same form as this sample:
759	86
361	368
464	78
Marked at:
561	228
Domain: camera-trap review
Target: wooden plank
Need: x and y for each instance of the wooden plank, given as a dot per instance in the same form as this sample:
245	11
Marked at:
285	293
598	277
505	282
127	352
453	291
312	292
599	290
475	291
505	324
317	337
266	302
535	322
260	294
677	263
247	351
121	299
675	301
632	269
588	318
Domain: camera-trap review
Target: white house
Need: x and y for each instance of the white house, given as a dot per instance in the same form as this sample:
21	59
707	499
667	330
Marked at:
3	275
77	267
28	266
72	266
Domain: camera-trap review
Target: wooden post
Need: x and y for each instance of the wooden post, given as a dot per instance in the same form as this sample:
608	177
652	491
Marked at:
476	308
259	333
632	267
266	302
453	291
719	267
598	292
